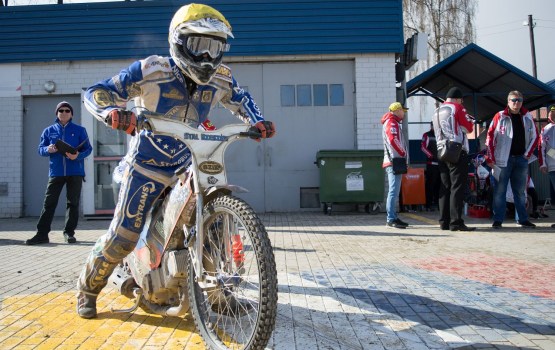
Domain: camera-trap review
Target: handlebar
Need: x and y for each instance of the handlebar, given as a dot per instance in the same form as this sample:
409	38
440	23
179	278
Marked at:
145	116
251	134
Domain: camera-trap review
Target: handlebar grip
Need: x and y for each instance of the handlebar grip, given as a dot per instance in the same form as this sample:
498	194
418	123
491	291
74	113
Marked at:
251	134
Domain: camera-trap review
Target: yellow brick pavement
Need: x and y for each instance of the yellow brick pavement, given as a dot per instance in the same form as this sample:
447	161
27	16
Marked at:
49	321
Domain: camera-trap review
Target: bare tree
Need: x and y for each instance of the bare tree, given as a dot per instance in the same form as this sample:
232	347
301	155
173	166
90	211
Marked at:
450	27
449	24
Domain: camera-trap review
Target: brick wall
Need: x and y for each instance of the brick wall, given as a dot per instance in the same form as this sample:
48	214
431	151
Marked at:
375	91
11	176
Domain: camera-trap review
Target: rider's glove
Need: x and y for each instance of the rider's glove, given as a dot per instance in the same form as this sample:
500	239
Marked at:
122	120
266	129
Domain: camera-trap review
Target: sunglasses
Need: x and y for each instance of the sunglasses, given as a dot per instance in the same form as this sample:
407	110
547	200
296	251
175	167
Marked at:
64	110
516	99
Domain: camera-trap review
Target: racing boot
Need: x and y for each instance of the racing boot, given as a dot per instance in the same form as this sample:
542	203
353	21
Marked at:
86	305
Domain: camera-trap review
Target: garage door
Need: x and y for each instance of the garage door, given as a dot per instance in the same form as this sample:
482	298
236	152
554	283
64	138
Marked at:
312	105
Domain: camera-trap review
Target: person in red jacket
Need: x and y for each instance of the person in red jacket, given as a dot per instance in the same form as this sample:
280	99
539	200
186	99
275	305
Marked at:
394	147
451	122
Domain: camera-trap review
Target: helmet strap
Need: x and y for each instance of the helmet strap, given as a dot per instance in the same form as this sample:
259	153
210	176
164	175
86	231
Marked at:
191	85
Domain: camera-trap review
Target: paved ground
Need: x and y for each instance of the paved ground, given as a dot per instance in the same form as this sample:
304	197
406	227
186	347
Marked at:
345	282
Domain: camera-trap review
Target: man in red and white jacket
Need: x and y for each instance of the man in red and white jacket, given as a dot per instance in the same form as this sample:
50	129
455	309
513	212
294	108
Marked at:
511	140
451	122
394	147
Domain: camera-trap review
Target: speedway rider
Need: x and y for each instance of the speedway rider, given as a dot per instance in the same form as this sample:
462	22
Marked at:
184	87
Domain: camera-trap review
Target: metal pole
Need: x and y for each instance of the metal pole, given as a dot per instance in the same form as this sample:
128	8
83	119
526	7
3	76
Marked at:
534	66
532	46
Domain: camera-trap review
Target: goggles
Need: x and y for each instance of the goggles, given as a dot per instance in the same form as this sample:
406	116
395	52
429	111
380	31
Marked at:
200	45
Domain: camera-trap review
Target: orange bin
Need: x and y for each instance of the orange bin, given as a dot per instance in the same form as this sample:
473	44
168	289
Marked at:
413	187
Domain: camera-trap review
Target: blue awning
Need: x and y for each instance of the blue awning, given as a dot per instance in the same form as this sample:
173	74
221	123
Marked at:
485	80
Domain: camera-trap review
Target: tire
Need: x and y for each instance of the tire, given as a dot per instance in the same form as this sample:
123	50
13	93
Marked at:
372	208
327	208
240	311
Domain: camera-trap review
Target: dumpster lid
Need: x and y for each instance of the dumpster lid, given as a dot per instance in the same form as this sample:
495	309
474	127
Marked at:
348	153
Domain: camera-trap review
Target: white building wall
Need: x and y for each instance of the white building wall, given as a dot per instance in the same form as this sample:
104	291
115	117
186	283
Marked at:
11	176
375	91
70	77
27	79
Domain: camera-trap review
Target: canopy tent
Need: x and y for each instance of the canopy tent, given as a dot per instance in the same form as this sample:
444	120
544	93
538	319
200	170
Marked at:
485	80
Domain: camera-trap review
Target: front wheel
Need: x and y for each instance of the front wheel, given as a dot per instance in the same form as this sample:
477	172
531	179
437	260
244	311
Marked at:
236	306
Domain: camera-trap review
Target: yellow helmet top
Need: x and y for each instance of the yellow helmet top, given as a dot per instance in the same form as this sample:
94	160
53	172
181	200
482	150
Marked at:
201	18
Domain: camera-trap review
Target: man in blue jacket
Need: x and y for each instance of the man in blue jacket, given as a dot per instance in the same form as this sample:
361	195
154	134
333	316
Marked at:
66	168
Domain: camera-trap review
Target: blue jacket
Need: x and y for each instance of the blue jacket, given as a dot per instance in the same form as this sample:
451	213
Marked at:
73	135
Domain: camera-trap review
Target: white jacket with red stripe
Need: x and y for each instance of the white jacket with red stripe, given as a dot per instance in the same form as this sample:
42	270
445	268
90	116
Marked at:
500	136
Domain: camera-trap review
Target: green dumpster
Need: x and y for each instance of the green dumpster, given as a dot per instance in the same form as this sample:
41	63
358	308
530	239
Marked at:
351	177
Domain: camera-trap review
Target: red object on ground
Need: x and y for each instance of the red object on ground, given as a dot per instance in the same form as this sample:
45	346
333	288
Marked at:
413	187
478	211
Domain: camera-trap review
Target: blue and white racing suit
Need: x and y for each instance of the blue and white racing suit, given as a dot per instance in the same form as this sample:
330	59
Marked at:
158	85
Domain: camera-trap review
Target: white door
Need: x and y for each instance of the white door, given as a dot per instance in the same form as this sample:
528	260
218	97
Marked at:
244	160
306	127
276	171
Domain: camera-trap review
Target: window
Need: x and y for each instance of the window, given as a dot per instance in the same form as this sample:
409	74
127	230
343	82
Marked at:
287	95
320	92
109	147
301	95
336	95
304	95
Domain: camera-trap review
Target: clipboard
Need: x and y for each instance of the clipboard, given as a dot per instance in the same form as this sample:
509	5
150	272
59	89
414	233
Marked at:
63	147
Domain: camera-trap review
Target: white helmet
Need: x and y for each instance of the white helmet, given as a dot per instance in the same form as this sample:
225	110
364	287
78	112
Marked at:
198	39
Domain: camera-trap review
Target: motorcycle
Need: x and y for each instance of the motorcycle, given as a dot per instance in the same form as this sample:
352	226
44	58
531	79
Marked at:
203	251
481	190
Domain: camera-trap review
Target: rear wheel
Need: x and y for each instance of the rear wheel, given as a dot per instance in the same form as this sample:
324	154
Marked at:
237	307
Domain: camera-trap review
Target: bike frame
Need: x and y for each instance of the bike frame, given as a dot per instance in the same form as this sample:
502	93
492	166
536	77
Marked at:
209	175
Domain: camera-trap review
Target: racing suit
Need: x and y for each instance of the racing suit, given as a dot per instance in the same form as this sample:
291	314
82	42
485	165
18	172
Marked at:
158	85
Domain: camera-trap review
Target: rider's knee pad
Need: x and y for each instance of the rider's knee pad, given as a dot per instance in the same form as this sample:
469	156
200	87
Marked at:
119	245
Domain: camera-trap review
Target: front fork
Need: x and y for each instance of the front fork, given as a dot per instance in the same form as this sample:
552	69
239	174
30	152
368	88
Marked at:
195	241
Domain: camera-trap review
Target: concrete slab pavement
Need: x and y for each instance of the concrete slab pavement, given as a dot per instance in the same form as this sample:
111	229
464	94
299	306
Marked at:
345	282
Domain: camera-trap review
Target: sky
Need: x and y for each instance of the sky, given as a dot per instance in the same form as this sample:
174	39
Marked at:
500	30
